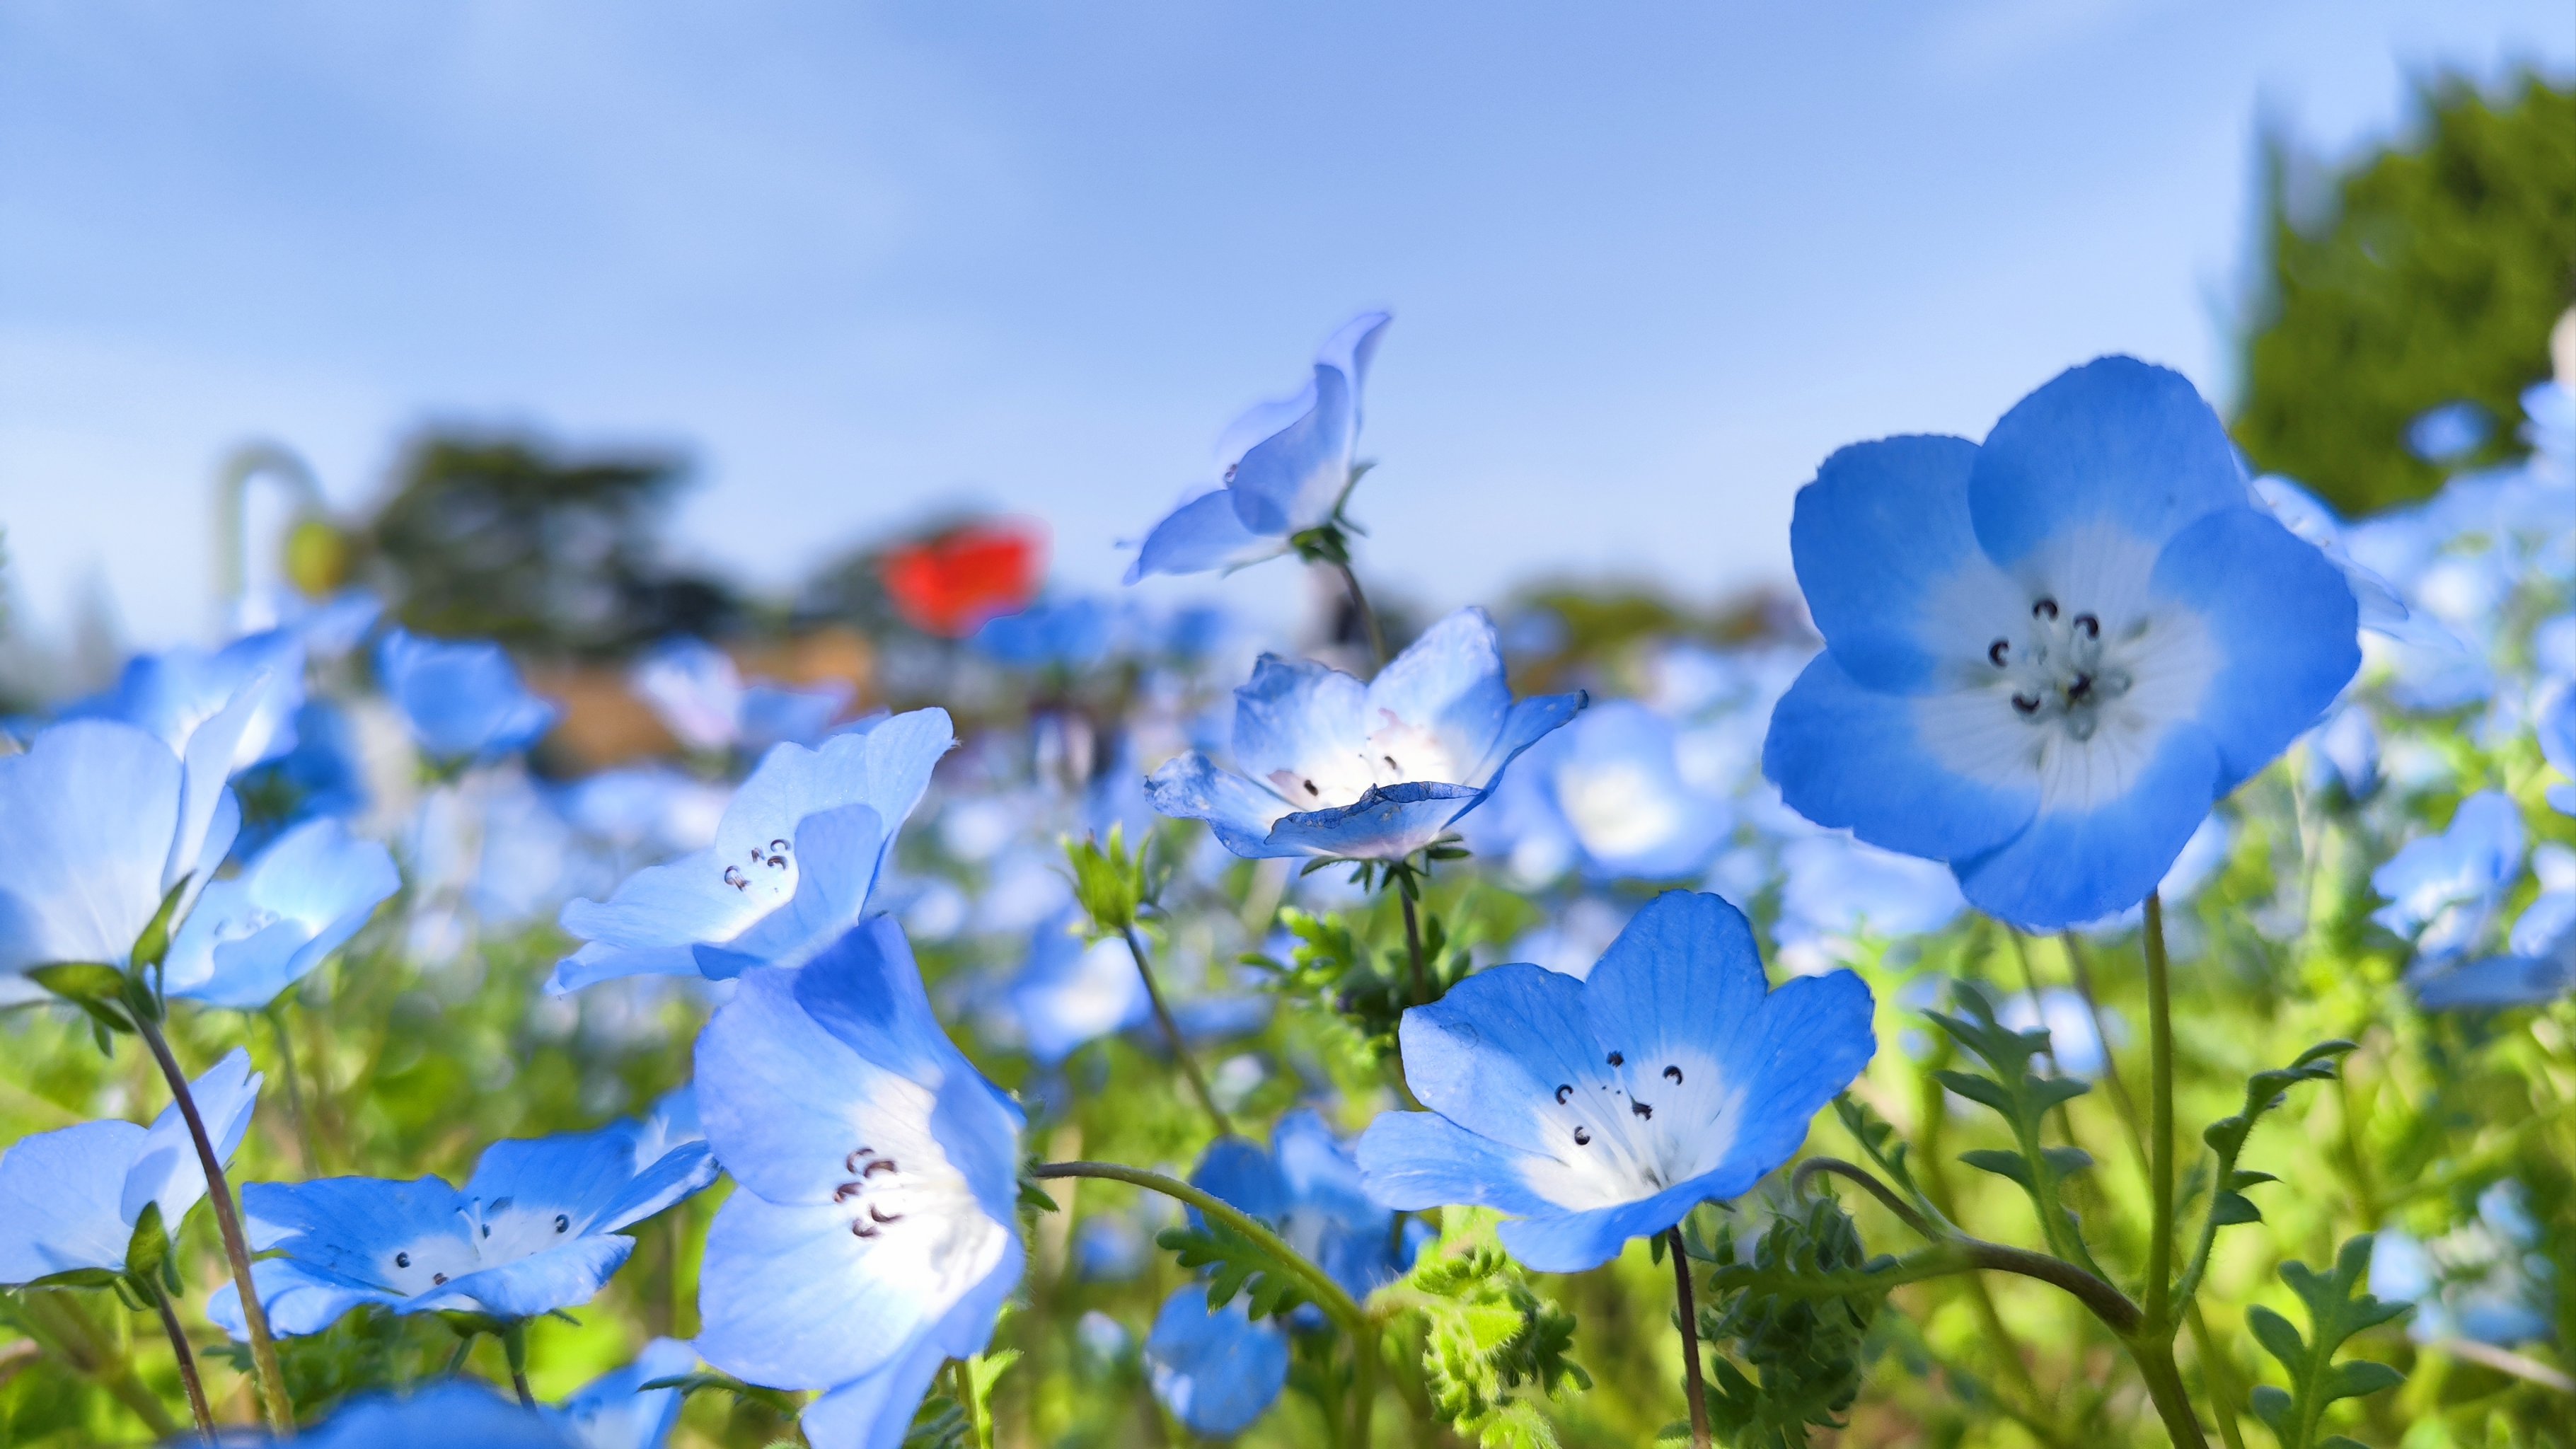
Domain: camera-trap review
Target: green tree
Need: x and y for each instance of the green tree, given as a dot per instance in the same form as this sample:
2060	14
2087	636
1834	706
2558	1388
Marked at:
2431	273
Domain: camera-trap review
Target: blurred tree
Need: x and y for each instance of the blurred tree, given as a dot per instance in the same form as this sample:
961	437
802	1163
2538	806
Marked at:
507	538
2424	273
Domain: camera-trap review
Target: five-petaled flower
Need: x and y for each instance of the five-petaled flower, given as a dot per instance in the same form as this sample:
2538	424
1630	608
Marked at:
2046	657
1288	466
795	856
533	1230
253	935
874	1234
1333	767
1605	1109
462	701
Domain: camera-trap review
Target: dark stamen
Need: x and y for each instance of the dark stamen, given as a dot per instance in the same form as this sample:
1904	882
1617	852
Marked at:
1582	1138
438	1280
2091	625
2082	687
1311	790
563	1222
1642	1110
2025	704
778	847
734	877
1673	1075
881	1215
2044	609
402	1260
882	1164
487	1230
1563	1091
1996	652
1617	1060
863	1229
1391	764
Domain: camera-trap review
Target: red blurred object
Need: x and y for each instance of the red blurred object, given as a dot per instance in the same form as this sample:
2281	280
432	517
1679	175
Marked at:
952	584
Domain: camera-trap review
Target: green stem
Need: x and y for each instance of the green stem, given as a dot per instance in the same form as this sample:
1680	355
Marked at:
1689	1312
2160	1107
2220	1376
2153	1353
1368	616
1421	981
514	1344
306	1145
187	1357
58	1325
962	1389
1337	1305
1364	1365
219	1191
1172	1036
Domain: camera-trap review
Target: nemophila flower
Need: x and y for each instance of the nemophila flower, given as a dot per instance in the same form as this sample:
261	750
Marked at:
70	1199
1838	888
443	1415
462	701
533	1230
2449	433
1064	635
701	697
1606	1109
1328	766
99	822
2379	605
257	933
616	1411
1071	992
1288	466
325	774
2557	730
2485	1280
1216	1370
1610	793
2539	964
2344	753
2443	890
2047	656
873	1233
950	585
175	693
794	858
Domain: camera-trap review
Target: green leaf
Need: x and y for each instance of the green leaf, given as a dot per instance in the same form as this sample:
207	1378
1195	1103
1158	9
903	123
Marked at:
1109	881
1035	1198
2230	1208
149	1245
2022	1098
81	981
1489	1340
2336	1312
2002	1164
1271	1287
154	943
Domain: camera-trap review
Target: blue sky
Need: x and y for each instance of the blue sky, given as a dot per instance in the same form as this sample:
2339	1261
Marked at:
1650	262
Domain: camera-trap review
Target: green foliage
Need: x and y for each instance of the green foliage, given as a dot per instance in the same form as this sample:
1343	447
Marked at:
1272	1287
1333	967
2433	274
1109	880
1805	1348
2022	1098
2226	1137
2335	1314
1489	1339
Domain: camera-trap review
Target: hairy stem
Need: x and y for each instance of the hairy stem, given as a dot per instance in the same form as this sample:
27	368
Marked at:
2160	1124
2219	1374
514	1345
1364	1364
1172	1036
1690	1339
187	1358
1420	980
219	1191
2153	1353
1338	1305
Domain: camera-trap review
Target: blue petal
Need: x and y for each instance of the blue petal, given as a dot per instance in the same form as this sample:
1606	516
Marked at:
59	1195
1685	971
297	1298
564	1277
616	1411
1879	533
313	888
866	991
2115	441
1191	787
1204	533
1417	1160
166	1167
461	700
2285	621
1564	1242
2495	983
874	1410
2073	866
1448	684
348	1226
1216	1370
1295	478
1808	1041
1525	724
1850	757
1387	823
92	808
1242	1174
442	1416
837	852
1301	728
1485	1055
777	1092
1070	992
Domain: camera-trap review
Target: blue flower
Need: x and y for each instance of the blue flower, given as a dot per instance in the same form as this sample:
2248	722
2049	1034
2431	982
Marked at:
103	823
443	1415
1309	1189
2443	890
1838	888
533	1230
69	1199
1609	792
257	933
2557	729
873	1233
1606	1109
2541	962
324	775
798	851
1289	464
1071	992
1065	635
2047	657
1216	1370
174	694
2449	433
462	701
2485	1280
1332	767
702	699
616	1411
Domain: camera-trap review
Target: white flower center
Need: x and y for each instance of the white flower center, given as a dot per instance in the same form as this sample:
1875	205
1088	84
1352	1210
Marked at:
1633	1129
487	1236
912	1214
1618	808
2063	673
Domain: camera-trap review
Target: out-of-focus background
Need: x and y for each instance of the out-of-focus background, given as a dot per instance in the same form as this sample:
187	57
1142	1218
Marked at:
582	324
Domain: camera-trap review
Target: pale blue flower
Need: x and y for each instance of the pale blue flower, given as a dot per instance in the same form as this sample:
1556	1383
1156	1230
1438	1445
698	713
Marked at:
2072	1039
2046	657
1288	466
448	1414
1332	767
1071	992
874	1232
174	694
702	698
616	1411
2557	730
2540	961
1610	792
69	1199
462	701
2449	433
1840	889
255	934
324	775
532	1231
2485	1280
2443	890
1069	634
793	862
1215	1369
103	823
1605	1109
2344	752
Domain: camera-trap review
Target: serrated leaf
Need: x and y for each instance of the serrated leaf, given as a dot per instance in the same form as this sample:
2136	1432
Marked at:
1237	1266
2336	1312
1985	1091
2278	1338
2002	1164
1035	1197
